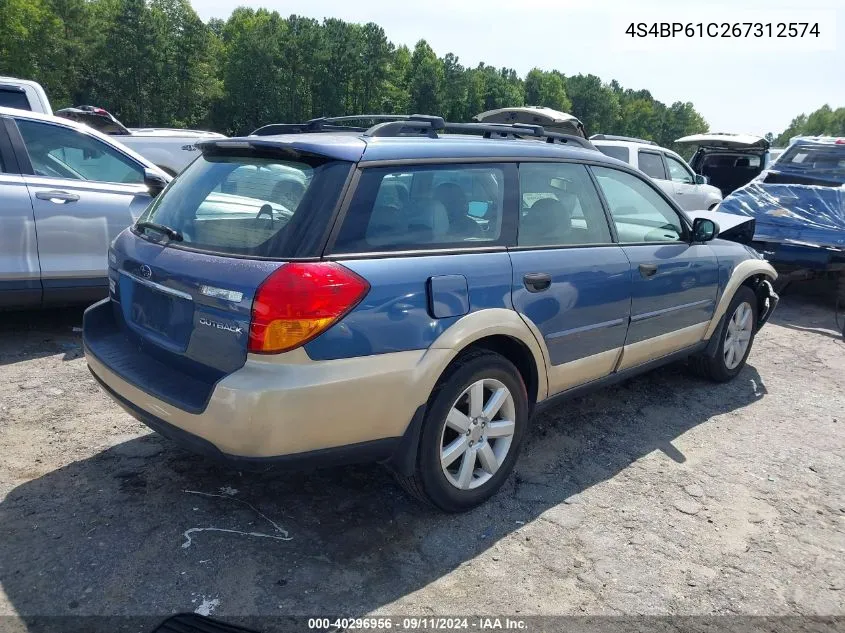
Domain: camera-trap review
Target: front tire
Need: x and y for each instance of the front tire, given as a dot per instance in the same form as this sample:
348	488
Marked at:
474	425
736	339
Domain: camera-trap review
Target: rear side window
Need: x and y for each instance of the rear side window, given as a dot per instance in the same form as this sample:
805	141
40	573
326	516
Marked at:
619	152
424	206
560	206
14	98
652	165
260	206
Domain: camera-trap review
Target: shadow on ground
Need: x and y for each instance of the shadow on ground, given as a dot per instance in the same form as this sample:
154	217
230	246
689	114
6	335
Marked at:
32	334
811	307
145	529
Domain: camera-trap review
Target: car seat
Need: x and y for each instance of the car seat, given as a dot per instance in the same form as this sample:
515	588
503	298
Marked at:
455	202
548	221
428	222
386	224
393	194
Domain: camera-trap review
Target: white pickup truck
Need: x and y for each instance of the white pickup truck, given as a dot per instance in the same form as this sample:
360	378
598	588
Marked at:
170	149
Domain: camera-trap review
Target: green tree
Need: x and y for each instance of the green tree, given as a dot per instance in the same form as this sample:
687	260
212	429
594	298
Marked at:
377	54
30	42
396	96
425	80
252	94
597	105
455	89
546	89
156	62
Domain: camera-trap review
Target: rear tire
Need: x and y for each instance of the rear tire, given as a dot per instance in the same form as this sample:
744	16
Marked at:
735	339
473	427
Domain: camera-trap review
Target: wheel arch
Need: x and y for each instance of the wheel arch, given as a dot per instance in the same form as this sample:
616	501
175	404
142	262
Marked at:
747	273
504	332
497	329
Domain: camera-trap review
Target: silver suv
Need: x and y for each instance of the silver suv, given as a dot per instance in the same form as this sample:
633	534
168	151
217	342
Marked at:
668	170
66	191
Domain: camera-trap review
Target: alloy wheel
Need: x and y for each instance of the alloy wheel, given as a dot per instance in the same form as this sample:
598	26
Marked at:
738	336
477	434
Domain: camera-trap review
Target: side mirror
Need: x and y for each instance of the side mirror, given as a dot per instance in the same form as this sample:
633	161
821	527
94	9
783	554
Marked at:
154	182
701	180
704	230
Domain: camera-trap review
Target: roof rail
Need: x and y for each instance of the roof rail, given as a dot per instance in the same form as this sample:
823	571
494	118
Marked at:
431	125
325	124
612	137
422	124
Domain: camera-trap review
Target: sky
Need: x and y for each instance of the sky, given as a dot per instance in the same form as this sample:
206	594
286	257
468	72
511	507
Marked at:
738	85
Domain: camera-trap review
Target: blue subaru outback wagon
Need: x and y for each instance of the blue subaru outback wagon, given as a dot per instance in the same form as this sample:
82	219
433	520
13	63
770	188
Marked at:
407	293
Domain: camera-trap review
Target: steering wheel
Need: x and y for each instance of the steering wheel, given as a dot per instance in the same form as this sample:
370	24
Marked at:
266	209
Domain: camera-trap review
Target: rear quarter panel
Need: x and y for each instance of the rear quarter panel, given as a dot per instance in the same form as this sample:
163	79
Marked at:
396	315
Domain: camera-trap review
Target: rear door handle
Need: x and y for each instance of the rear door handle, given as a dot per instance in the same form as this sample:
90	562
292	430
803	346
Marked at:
537	282
57	197
647	270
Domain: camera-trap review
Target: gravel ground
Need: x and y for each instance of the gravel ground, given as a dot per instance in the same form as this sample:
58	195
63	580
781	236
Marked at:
664	495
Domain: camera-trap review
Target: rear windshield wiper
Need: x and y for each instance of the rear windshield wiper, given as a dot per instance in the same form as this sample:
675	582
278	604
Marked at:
170	232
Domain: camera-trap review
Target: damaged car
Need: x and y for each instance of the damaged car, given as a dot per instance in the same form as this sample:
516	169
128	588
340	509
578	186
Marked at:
799	209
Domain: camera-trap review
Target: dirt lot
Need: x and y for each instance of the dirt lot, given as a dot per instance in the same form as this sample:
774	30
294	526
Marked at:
665	495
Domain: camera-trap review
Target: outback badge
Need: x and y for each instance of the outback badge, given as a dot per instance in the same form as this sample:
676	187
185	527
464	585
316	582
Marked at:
220	326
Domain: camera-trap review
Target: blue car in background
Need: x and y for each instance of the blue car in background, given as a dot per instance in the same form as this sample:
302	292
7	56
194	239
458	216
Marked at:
424	292
798	205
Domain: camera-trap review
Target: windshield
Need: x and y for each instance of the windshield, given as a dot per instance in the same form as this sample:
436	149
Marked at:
249	205
822	162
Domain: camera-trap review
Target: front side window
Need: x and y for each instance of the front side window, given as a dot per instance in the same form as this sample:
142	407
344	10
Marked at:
250	205
424	206
678	172
559	206
59	152
652	165
639	213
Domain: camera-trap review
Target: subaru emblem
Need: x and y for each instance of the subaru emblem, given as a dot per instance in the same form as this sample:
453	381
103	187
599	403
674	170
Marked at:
146	272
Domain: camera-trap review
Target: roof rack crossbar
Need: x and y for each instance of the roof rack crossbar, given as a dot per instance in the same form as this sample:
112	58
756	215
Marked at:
326	124
431	125
422	124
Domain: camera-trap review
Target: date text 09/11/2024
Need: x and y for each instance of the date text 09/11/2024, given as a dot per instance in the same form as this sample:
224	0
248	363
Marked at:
724	29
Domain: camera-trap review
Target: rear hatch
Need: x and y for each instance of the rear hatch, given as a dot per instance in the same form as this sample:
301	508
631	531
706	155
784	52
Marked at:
725	141
96	118
551	120
184	279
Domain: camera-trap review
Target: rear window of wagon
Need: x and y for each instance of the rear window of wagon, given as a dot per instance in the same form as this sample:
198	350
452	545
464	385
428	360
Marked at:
251	205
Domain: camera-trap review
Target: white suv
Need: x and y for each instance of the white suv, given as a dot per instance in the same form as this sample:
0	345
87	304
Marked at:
668	170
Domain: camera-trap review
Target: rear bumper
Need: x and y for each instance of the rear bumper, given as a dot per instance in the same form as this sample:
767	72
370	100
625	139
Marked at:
285	408
372	451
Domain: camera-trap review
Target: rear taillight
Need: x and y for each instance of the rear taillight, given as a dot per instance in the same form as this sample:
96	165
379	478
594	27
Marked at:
299	301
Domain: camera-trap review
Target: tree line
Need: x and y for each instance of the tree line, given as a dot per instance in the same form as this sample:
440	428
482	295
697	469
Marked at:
155	62
822	122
